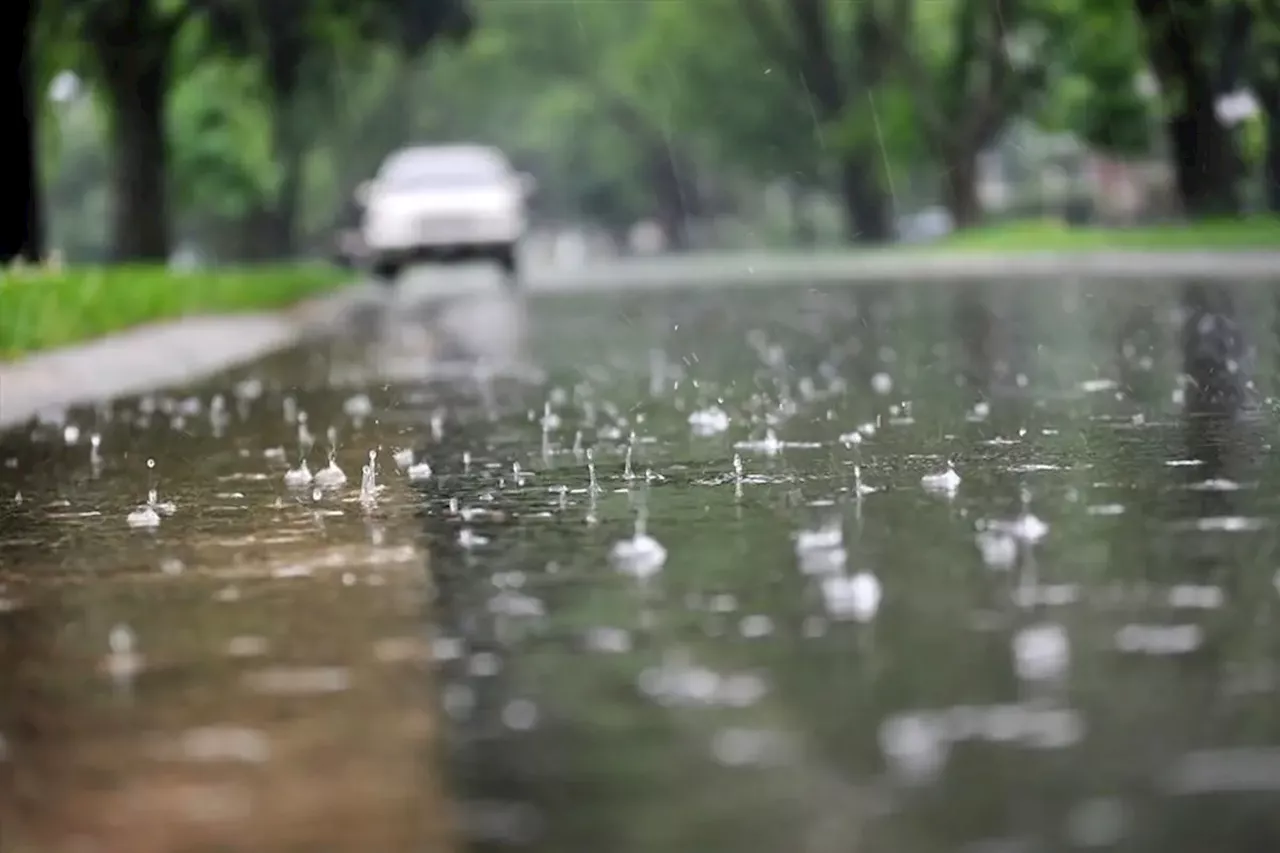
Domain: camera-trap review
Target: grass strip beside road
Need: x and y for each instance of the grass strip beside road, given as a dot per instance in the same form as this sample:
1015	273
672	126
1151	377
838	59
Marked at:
42	309
1047	235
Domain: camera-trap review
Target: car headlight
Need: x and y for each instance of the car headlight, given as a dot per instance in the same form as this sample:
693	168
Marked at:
383	221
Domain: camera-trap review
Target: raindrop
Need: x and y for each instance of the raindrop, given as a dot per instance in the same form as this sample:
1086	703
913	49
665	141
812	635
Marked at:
330	476
856	597
298	478
709	421
369	478
520	715
641	555
143	518
419	471
999	550
1041	652
945	483
860	488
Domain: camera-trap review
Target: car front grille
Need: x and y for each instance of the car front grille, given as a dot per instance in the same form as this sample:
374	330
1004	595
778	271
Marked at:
445	225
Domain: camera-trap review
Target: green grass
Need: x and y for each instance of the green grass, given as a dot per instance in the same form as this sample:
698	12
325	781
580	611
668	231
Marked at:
1054	236
42	308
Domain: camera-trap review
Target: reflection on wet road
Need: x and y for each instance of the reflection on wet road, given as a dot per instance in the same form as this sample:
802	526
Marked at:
909	568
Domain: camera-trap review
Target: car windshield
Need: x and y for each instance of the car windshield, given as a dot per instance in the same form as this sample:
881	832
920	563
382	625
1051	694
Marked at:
421	171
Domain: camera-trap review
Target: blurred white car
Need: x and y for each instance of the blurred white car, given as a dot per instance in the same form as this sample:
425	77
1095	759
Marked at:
443	204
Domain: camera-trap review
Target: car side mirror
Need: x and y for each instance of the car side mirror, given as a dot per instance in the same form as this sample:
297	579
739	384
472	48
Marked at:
528	184
361	194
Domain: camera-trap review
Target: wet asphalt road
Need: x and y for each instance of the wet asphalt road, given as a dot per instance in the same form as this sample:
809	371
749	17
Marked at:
665	571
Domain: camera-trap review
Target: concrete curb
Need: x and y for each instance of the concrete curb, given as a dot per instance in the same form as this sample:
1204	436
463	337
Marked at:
149	357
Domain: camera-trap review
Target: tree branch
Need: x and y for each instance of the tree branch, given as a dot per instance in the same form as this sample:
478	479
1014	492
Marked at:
808	57
820	71
990	112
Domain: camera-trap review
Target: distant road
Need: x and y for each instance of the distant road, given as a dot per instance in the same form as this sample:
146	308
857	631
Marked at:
832	268
903	265
172	353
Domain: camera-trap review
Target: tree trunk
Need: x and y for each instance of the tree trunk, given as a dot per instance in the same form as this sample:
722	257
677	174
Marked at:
1271	165
960	188
137	84
673	194
279	240
23	235
866	207
1205	161
286	54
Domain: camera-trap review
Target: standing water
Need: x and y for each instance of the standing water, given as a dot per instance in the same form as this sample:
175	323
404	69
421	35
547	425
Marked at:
902	569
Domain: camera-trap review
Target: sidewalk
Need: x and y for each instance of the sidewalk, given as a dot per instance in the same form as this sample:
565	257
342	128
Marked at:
149	357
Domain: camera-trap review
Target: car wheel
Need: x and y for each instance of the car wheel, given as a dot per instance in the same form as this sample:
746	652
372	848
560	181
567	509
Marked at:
386	272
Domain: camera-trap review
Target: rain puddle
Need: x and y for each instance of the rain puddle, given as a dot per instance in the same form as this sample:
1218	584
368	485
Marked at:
870	568
198	652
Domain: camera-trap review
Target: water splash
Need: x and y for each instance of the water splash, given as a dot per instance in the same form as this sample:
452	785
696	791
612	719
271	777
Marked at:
641	556
999	550
148	515
1041	652
298	478
331	476
143	518
369	479
855	597
945	483
860	488
420	471
821	551
769	445
710	421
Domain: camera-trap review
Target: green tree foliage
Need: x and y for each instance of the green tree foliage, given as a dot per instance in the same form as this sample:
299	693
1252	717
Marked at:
246	124
734	100
297	45
136	51
1098	82
556	85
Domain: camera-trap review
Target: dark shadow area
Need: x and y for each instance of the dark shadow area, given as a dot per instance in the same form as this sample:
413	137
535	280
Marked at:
1222	780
